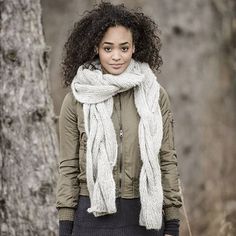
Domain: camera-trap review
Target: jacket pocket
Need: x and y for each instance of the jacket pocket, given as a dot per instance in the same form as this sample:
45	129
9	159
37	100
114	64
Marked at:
171	131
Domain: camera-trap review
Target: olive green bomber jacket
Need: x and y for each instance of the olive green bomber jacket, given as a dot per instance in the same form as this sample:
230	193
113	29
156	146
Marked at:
72	160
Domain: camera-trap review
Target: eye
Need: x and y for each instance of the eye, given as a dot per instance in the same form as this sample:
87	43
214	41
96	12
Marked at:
125	49
107	49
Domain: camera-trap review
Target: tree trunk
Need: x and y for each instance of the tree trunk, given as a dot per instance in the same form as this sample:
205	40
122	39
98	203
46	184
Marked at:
199	74
29	146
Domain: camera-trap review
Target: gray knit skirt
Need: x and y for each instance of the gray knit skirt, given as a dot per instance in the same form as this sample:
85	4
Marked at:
125	222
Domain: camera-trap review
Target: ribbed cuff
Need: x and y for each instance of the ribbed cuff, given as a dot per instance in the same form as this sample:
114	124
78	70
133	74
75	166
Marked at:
172	213
66	213
65	228
172	227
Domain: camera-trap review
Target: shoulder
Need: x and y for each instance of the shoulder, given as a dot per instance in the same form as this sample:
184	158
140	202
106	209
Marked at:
69	104
164	99
163	96
69	99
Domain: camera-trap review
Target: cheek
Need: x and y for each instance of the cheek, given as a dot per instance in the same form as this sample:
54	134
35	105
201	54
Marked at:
128	56
103	56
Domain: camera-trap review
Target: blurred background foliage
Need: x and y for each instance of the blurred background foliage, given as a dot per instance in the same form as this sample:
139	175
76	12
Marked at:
199	73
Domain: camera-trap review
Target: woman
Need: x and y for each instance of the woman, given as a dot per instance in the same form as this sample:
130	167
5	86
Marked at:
118	165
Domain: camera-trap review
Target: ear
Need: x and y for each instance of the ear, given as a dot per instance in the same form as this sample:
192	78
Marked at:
96	50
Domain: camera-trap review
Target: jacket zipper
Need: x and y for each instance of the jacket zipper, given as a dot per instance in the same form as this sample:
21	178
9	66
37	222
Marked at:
120	159
121	136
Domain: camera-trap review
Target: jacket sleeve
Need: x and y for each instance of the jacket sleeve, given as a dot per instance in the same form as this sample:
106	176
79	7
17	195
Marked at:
67	185
168	161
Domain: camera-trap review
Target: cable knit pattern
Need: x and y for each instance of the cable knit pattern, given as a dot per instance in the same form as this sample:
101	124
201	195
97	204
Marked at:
96	90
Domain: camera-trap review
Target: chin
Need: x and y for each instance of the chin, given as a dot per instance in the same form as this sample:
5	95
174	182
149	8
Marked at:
116	72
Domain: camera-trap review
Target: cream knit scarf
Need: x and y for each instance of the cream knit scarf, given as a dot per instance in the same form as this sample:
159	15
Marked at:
96	90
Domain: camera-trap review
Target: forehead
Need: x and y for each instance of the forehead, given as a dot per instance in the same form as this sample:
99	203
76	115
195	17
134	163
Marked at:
117	34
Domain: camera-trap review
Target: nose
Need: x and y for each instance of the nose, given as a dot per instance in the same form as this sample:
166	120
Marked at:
116	55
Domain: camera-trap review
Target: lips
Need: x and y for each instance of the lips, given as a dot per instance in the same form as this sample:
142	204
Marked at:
116	66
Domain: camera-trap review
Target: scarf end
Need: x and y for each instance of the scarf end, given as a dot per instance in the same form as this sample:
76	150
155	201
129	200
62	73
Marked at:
151	225
97	213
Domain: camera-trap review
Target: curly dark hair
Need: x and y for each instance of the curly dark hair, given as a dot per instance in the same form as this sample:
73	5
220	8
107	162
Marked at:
89	31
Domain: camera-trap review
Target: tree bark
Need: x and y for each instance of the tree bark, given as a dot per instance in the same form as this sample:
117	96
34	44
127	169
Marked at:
29	146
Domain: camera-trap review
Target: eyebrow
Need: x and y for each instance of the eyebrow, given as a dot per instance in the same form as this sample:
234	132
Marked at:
113	43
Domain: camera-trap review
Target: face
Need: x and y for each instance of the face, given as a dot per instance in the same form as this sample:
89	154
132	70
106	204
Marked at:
115	50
